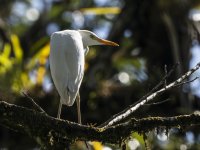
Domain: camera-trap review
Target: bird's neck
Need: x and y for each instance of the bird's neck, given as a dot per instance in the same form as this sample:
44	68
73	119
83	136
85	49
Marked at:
86	50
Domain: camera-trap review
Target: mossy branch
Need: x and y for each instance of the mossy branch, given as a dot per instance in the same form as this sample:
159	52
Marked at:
53	133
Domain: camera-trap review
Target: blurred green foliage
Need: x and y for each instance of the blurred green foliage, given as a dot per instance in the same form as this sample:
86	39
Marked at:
114	77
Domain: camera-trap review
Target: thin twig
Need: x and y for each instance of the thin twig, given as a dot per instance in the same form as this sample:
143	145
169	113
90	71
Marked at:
158	103
146	95
186	82
128	111
160	83
34	103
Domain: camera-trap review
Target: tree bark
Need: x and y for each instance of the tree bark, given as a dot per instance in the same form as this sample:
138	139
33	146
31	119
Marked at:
53	133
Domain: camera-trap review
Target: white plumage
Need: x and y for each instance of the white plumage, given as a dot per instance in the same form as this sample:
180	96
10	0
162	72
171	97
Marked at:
67	64
67	59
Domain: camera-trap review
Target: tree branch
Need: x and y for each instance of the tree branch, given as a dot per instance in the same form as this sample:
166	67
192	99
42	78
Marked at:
128	111
35	105
52	133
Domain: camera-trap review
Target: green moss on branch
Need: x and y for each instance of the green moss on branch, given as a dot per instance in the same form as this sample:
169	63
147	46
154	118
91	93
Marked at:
50	132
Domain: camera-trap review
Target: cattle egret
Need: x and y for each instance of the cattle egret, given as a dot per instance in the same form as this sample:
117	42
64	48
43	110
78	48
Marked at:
67	58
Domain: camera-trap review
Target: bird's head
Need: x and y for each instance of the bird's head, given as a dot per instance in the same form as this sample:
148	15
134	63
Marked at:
89	38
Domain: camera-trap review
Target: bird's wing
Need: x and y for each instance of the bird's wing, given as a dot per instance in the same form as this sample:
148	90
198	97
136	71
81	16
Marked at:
75	61
67	65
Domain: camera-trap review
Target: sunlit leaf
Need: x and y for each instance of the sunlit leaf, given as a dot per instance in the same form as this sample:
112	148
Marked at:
122	62
97	145
40	57
38	44
40	74
6	50
101	10
44	53
5	61
17	48
139	137
25	79
10	70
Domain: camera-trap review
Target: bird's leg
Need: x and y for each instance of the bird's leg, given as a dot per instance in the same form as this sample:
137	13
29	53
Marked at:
79	115
78	108
59	110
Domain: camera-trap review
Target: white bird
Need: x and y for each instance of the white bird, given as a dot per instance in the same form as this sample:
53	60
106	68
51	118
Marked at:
67	58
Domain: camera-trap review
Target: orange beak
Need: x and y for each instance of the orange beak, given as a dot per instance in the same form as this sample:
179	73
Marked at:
106	42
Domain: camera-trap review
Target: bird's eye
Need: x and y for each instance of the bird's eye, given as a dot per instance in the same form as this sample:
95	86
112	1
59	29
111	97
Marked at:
92	36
